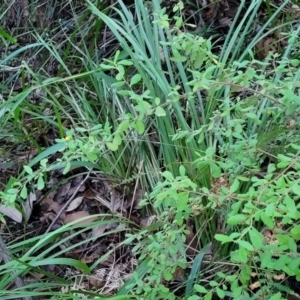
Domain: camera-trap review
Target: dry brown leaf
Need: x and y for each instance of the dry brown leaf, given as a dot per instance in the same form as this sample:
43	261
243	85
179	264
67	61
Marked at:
95	281
225	21
98	230
89	194
255	285
263	47
73	189
49	203
78	215
279	277
62	192
11	212
75	203
147	221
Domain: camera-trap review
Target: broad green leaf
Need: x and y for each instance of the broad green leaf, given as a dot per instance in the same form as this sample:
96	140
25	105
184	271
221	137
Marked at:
140	127
295	232
28	170
282	157
265	259
67	168
220	293
277	296
256	238
117	139
24	192
215	170
283	164
125	62
213	283
160	112
182	171
124	125
135	79
223	238
92	156
236	219
106	67
208	296
194	297
270	209
292	244
112	146
168	175
200	289
266	220
40	183
235	186
43	162
243	254
118	84
245	274
210	152
80	129
296	188
245	245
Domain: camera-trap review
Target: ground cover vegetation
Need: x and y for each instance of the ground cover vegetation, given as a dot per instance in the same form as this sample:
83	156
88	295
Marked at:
149	150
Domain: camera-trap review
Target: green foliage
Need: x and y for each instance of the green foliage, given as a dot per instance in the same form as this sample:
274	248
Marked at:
227	150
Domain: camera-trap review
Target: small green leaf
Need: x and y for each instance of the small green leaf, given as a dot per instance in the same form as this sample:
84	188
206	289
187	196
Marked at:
117	139
92	156
208	296
235	186
124	125
67	168
135	79
213	283
168	175
266	220
40	183
295	232
24	193
125	62
296	189
223	238
194	297
266	259
118	84
160	112
140	127
44	163
236	219
277	296
243	254
256	238
200	289
112	146
220	293
28	170
182	171
245	245
106	67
